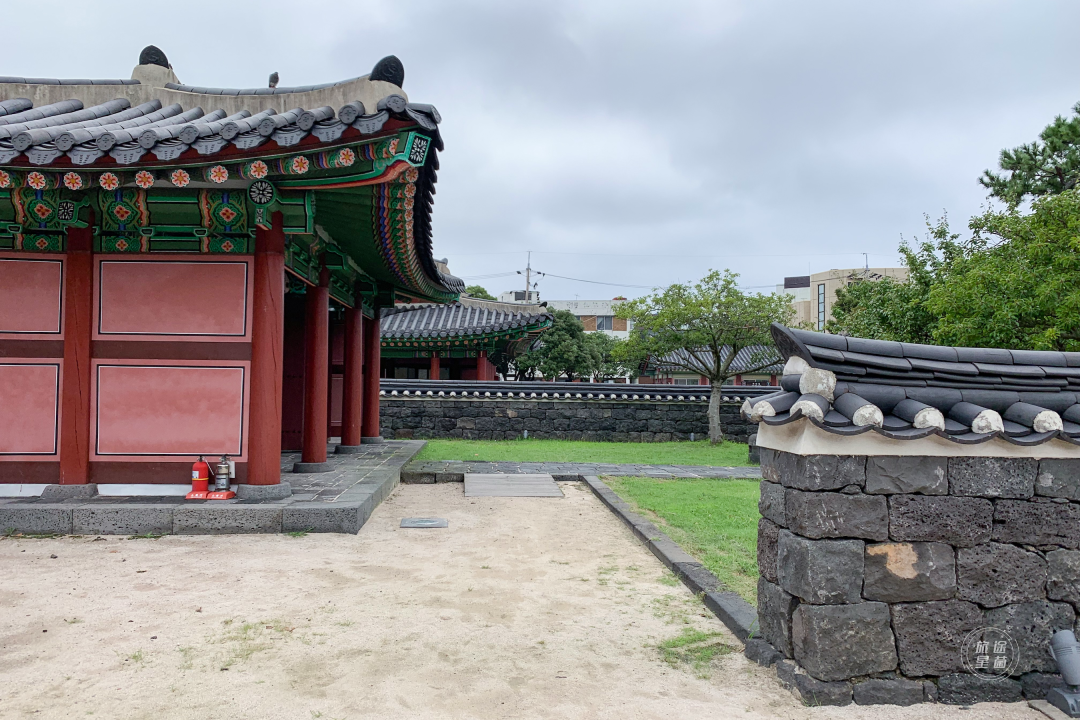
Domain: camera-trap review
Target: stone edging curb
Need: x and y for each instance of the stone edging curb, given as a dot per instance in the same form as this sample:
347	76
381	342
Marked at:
738	615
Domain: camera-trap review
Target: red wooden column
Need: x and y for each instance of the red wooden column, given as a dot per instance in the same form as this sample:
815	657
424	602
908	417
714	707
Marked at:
372	357
267	354
316	376
75	404
352	407
433	367
484	369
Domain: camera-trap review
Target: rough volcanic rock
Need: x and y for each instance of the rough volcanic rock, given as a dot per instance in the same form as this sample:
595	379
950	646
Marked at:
837	642
909	572
930	635
1037	523
892	475
992	477
996	574
836	515
820	571
958	521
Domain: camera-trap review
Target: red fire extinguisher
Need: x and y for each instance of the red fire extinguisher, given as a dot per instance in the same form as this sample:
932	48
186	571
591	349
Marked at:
200	480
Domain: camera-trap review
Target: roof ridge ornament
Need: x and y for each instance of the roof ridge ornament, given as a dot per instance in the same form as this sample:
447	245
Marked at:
153	55
390	70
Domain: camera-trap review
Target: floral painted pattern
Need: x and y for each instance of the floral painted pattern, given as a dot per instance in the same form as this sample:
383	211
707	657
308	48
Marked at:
121	212
73	181
180	178
108	181
299	165
227	214
412	175
144	179
36	180
5	180
345	158
218	174
258	170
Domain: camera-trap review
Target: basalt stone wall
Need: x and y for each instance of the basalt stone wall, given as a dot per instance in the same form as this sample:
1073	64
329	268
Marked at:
506	419
874	570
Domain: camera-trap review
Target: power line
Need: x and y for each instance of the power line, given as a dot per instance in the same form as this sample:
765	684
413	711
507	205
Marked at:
597	282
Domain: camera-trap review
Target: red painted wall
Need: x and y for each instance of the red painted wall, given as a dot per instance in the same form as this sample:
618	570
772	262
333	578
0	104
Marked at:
174	408
30	296
29	398
196	300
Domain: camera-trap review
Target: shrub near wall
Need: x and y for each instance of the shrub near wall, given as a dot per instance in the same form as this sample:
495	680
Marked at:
874	570
506	419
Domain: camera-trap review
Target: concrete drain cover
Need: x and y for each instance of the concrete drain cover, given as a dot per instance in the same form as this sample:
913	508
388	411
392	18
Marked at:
423	523
509	485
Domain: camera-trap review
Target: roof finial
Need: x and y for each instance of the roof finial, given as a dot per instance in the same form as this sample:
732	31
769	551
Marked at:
390	70
152	55
273	79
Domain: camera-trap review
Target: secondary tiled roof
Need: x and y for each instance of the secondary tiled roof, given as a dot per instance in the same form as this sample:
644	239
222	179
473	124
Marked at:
849	385
748	359
460	319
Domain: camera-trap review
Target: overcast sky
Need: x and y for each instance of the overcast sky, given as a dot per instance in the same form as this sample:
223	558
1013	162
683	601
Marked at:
642	143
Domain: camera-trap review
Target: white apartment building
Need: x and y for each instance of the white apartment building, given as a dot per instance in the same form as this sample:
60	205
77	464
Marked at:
814	295
595	315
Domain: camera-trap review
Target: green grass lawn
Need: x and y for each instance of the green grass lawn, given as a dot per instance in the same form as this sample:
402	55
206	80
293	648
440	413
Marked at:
713	520
664	453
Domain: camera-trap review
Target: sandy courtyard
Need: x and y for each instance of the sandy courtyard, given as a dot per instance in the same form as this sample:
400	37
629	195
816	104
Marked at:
523	608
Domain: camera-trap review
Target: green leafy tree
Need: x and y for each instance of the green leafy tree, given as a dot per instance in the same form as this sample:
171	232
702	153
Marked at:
701	328
478	291
1048	166
1016	283
889	309
613	362
564	349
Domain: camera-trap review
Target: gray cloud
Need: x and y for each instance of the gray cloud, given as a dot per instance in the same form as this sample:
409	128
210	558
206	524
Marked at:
644	142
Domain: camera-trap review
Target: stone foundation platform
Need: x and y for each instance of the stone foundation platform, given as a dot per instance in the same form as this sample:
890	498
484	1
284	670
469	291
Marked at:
338	501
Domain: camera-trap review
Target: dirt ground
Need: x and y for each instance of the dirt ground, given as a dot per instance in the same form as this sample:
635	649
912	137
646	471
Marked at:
523	608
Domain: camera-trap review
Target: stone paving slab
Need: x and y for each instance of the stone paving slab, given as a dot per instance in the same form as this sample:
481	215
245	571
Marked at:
454	470
338	501
510	485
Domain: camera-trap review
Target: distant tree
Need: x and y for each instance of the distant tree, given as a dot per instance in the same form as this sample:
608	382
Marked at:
614	362
563	349
701	328
478	291
1048	166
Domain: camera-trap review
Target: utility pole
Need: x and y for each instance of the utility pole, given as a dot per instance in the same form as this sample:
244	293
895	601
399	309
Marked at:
528	275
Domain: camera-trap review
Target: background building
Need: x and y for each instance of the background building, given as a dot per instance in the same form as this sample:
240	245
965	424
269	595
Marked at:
520	296
596	315
814	295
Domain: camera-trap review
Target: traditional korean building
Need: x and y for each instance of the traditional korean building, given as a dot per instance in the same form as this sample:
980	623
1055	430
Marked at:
171	256
466	340
672	369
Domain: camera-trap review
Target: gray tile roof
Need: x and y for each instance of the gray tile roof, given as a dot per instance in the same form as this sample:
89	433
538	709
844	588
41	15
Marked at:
457	320
907	391
116	131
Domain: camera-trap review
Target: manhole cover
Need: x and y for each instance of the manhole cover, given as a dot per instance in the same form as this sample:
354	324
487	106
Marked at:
423	523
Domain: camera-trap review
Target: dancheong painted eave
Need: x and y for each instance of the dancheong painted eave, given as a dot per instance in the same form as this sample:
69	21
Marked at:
849	386
351	164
